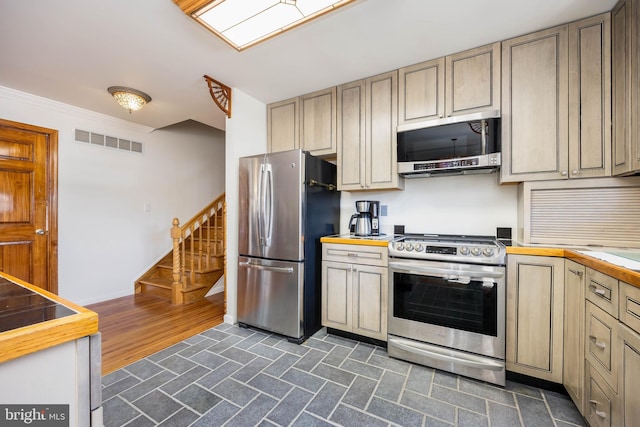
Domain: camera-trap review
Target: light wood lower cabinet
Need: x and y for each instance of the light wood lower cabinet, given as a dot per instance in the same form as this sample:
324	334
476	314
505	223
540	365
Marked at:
535	320
629	375
573	361
354	289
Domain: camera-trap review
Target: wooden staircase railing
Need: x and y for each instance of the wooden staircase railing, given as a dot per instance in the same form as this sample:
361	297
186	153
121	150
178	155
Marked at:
197	245
197	260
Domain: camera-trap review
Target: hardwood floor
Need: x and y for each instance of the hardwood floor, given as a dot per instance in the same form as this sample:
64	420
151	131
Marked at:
136	326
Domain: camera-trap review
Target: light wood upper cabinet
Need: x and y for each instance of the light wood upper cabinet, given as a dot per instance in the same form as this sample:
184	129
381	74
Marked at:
367	142
534	106
473	80
625	78
421	92
283	132
590	97
556	101
535	316
463	83
573	361
318	122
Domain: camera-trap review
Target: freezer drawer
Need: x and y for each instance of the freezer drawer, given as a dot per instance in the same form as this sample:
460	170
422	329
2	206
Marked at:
270	295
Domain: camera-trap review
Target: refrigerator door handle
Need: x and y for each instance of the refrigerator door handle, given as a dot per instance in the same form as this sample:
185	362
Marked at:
262	202
287	270
268	204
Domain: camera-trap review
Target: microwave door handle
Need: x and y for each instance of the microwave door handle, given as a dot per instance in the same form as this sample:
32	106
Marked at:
483	135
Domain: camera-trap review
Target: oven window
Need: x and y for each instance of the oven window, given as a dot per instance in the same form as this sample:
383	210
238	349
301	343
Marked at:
470	307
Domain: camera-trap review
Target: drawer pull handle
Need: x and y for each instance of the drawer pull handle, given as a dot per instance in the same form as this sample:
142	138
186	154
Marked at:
601	414
577	273
598	344
597	291
352	254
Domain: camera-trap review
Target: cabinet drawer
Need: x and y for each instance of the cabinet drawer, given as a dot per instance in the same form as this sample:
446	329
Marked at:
629	310
355	254
601	339
602	290
601	401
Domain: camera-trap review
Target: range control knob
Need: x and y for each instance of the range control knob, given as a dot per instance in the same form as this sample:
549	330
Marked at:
464	250
418	247
409	246
475	251
400	246
488	252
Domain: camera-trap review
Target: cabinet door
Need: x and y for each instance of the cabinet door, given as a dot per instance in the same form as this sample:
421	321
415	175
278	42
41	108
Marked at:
421	92
621	51
535	106
370	301
535	305
590	97
336	295
381	167
282	125
318	122
473	80
629	372
573	362
351	135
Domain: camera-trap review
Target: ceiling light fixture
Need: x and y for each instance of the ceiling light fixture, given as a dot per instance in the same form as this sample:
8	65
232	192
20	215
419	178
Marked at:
129	99
243	24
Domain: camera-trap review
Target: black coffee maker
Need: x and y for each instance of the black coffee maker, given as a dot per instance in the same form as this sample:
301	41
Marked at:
367	221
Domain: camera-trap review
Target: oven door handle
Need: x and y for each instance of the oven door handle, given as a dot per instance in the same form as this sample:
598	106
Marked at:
462	276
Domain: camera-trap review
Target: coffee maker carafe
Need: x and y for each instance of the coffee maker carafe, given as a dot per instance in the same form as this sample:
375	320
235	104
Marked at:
366	221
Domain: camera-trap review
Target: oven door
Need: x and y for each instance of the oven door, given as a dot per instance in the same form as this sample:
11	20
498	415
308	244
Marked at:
458	306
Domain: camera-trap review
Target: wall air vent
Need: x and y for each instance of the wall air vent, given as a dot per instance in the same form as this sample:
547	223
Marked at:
96	139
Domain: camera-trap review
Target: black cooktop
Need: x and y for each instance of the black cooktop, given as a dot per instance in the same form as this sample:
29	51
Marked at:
20	306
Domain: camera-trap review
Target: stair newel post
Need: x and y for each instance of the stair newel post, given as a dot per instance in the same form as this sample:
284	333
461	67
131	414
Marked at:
176	234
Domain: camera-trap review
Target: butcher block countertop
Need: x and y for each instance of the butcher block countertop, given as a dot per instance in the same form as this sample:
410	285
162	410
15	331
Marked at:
606	260
349	239
32	319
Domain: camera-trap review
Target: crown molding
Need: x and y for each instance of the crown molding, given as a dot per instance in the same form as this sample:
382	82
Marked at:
38	101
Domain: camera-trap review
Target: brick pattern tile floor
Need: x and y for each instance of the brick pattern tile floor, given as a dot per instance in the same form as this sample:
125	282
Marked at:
244	377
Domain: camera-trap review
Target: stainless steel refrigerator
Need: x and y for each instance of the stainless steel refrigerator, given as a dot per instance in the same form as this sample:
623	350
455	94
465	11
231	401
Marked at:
288	200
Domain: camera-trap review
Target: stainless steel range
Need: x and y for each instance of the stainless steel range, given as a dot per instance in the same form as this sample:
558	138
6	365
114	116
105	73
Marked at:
447	303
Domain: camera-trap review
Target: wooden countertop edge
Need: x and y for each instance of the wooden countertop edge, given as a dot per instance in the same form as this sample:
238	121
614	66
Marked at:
348	241
629	276
29	339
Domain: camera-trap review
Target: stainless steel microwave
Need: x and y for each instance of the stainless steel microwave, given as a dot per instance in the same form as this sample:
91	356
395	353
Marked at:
449	147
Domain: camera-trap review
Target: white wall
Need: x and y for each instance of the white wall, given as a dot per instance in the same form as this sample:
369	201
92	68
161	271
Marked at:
106	240
246	135
470	204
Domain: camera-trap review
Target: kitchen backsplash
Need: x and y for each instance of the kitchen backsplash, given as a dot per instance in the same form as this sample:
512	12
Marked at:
471	204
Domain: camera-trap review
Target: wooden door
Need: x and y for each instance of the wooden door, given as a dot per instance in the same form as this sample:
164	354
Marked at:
282	125
370	301
473	80
621	16
351	135
590	97
535	316
336	295
28	203
318	122
535	106
381	167
573	362
421	92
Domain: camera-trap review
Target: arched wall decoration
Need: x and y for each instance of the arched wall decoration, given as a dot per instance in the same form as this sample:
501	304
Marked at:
220	93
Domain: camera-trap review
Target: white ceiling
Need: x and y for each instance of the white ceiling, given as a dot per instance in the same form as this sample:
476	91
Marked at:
72	50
